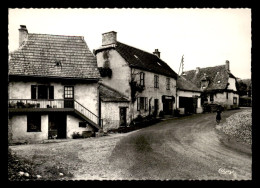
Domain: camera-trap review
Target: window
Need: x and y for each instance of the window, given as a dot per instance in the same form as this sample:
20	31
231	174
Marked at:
168	83
234	100
227	95
156	81
34	123
142	103
68	92
142	78
211	98
82	124
42	92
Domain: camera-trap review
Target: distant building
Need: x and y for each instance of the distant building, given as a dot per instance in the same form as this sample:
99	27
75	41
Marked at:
147	85
188	96
53	88
217	83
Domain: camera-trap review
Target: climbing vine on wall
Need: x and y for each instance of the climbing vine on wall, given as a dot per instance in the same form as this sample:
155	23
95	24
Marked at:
135	87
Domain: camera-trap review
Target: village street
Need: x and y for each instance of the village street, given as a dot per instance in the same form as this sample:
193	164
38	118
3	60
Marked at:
183	148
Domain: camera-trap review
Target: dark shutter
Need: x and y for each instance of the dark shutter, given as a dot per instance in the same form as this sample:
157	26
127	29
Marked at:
51	92
138	104
33	91
145	103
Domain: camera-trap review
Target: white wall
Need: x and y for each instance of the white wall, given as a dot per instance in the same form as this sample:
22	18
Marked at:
110	114
73	126
221	99
120	72
121	76
19	129
232	84
181	93
85	93
153	93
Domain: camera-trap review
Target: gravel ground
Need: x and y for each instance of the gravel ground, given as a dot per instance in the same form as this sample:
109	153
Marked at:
239	126
84	158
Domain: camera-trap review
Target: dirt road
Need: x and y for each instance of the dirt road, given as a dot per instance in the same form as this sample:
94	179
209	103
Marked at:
185	148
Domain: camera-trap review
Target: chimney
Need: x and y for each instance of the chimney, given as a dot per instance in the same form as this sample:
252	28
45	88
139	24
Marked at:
109	38
157	53
23	32
227	65
197	70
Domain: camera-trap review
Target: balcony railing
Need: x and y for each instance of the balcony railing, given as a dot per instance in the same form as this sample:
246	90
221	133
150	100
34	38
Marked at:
56	103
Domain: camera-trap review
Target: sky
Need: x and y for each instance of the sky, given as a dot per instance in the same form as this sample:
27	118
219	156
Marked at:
206	37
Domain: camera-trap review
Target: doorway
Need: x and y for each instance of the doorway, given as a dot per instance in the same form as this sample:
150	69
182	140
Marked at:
68	97
189	104
122	116
156	106
57	126
167	107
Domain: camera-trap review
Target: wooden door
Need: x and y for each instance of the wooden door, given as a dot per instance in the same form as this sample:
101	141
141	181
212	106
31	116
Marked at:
68	97
122	115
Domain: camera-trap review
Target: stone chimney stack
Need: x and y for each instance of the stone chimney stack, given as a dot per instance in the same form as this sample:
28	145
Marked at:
157	53
23	33
197	70
109	38
227	65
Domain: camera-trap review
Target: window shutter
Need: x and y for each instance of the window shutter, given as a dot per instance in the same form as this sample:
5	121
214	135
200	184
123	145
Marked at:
155	81
143	78
51	92
138	104
146	103
33	91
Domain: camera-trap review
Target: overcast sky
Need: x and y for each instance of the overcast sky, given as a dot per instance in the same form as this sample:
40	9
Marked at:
206	37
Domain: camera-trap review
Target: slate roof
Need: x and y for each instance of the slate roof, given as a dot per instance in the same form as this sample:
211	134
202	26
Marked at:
143	60
108	94
54	56
186	85
217	76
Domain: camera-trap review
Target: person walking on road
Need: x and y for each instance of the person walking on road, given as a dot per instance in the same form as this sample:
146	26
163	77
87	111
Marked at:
218	117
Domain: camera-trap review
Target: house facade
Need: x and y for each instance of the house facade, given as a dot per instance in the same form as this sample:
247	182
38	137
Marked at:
217	83
188	97
142	78
53	88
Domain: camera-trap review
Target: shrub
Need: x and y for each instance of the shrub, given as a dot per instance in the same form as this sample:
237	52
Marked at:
161	113
176	112
76	135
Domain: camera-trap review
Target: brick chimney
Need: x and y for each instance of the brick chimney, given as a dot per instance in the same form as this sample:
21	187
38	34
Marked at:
23	32
157	53
227	65
109	38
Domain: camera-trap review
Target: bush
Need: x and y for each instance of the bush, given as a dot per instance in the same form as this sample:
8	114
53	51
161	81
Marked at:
176	112
76	135
161	114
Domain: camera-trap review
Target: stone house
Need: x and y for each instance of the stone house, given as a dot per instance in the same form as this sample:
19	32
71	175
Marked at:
146	81
53	88
188	96
217	83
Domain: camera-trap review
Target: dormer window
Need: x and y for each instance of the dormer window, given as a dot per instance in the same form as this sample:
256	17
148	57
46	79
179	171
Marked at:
204	81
